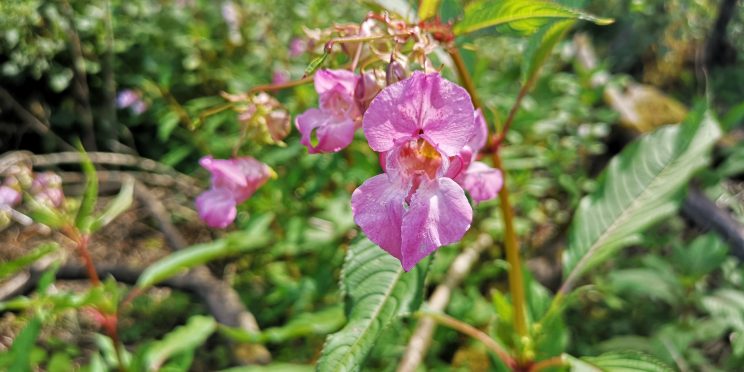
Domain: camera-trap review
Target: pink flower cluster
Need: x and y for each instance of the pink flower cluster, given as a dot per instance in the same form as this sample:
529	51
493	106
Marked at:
233	182
427	133
343	98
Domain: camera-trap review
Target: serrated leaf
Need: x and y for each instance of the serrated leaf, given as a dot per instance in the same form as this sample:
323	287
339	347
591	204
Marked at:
13	266
427	9
121	203
377	290
523	16
619	361
185	338
539	47
199	254
639	187
83	219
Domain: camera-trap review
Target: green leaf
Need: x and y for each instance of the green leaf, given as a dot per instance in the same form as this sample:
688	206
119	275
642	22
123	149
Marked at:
185	338
539	47
43	214
427	9
83	219
23	345
376	290
320	323
199	254
121	203
315	64
273	367
13	266
639	187
523	16
619	361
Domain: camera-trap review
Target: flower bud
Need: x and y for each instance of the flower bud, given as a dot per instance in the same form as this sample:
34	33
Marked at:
395	72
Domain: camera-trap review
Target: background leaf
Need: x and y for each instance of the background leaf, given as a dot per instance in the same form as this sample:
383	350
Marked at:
90	195
183	339
119	205
13	266
639	187
377	290
523	16
619	361
427	9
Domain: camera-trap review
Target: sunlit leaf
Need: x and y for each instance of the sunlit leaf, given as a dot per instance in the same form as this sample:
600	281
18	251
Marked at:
121	203
377	290
427	9
523	16
13	266
539	47
185	338
83	219
639	187
199	254
617	362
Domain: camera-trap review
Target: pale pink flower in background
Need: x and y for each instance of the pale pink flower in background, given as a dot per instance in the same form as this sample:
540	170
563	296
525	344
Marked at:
279	77
414	207
233	182
132	99
334	122
9	197
297	47
46	188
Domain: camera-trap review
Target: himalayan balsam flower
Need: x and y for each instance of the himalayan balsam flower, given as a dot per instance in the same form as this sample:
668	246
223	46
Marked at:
233	182
343	97
426	130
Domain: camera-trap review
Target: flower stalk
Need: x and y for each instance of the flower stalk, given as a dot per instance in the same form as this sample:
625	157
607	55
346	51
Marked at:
516	279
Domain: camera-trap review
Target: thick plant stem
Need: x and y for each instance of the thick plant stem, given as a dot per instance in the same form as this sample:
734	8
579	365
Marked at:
516	280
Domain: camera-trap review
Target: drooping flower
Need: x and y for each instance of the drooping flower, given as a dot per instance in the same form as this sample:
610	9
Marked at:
418	125
233	182
343	96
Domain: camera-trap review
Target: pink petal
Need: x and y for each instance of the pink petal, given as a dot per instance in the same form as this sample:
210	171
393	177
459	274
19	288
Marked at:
333	133
481	181
216	207
241	176
326	80
439	214
480	134
424	103
378	206
9	197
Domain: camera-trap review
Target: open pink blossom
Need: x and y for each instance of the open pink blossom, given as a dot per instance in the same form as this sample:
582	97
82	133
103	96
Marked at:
342	97
414	207
233	182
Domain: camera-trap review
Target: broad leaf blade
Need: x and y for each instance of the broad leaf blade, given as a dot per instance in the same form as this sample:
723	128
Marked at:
523	16
427	9
185	338
639	187
377	290
619	361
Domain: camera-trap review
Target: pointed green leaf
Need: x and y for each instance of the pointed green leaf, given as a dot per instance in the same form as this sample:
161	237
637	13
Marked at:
83	219
377	291
199	254
121	203
13	266
639	187
427	9
185	338
320	323
523	16
539	47
23	345
618	362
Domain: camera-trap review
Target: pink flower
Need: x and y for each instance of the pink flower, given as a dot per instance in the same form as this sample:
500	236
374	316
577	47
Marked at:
297	47
9	197
342	101
279	77
414	207
480	180
46	188
233	182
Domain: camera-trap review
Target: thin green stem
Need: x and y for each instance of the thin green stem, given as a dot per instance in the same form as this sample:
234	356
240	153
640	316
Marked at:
516	279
